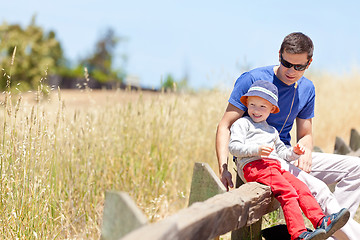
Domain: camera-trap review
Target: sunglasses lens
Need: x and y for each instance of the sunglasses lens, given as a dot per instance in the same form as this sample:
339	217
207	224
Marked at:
286	63
289	65
300	67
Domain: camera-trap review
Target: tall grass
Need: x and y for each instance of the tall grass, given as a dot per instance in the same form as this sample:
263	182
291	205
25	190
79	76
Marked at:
60	153
337	108
58	159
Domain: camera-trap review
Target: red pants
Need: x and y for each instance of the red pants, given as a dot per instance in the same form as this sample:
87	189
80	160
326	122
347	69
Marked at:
292	193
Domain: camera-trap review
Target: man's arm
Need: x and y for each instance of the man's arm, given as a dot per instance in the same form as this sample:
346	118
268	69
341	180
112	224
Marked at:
304	137
231	114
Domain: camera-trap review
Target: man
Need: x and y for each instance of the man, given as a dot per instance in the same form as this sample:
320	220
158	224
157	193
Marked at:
296	103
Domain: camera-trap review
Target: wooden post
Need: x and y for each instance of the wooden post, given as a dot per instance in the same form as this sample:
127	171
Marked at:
354	140
204	184
121	216
341	147
252	232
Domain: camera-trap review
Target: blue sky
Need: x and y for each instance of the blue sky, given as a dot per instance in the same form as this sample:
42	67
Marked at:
210	41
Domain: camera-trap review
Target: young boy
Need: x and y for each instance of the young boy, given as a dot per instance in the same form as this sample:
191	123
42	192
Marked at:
257	147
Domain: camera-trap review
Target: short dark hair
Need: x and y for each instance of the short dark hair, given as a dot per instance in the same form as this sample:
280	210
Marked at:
297	43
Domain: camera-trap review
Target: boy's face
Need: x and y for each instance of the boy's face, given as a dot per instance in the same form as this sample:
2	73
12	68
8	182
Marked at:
259	109
290	75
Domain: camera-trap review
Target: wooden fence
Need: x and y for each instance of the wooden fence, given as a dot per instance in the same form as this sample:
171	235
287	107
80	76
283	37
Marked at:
212	211
221	213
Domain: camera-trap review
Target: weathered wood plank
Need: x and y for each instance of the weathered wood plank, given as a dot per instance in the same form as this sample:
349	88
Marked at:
341	147
354	147
121	216
213	217
204	184
354	140
251	232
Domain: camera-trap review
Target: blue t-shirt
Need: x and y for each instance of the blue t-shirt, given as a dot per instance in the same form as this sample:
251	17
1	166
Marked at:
304	101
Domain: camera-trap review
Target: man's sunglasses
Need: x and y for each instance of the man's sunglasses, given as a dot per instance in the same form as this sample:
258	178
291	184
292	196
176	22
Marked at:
297	67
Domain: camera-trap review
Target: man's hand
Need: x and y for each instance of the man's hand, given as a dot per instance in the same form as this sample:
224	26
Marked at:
305	161
226	178
231	114
265	151
304	136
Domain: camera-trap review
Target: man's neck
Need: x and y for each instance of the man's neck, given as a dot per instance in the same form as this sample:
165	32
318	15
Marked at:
276	68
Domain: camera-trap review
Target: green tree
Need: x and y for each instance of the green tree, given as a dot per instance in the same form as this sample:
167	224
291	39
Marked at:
28	55
100	64
170	84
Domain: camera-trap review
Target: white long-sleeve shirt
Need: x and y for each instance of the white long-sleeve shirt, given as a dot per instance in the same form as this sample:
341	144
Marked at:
246	136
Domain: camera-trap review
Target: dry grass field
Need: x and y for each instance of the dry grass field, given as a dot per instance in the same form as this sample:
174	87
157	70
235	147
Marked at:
61	152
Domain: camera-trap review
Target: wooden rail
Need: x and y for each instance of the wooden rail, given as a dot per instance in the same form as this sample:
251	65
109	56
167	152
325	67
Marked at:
213	217
216	216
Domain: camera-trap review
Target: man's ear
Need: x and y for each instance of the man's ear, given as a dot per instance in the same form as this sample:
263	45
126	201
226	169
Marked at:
309	63
279	56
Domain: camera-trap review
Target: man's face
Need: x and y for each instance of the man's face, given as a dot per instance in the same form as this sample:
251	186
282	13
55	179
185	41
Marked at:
290	75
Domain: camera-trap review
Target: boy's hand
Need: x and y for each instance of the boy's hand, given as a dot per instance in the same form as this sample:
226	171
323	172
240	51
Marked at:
265	151
299	149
